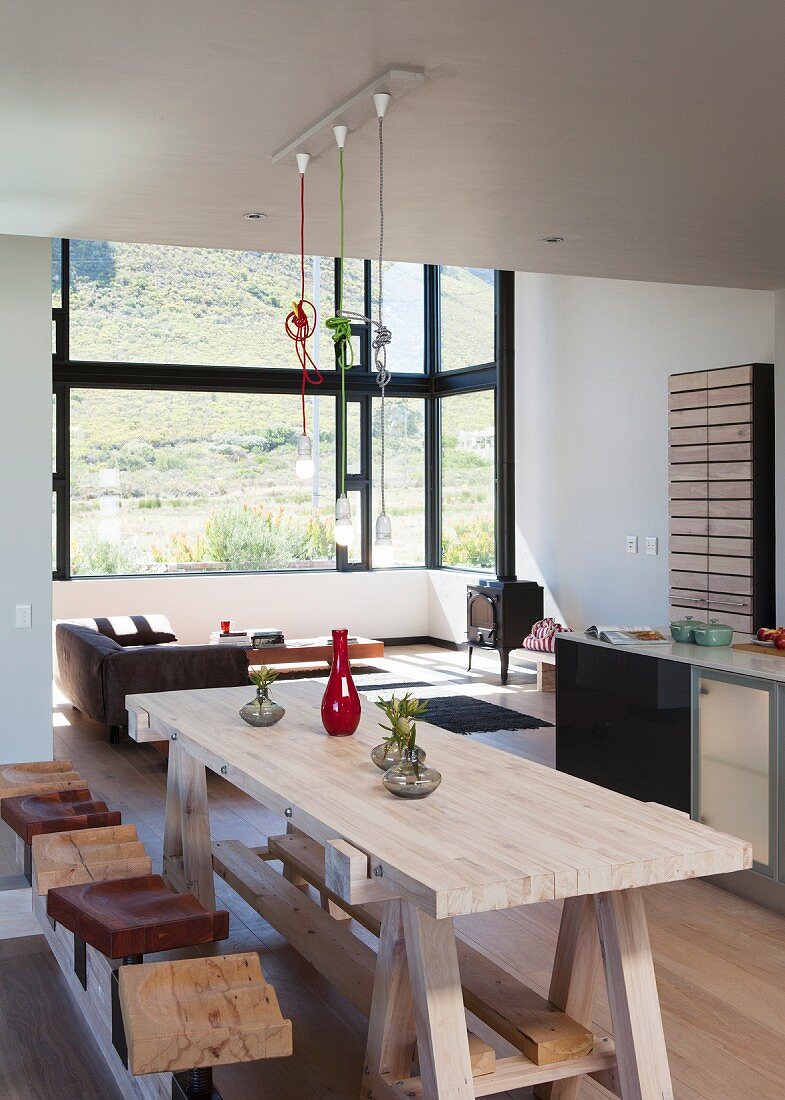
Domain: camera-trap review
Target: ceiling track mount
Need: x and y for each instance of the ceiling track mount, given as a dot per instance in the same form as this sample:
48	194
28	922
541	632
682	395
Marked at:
352	112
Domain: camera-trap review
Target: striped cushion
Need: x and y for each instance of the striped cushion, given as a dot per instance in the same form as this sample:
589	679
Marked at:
543	636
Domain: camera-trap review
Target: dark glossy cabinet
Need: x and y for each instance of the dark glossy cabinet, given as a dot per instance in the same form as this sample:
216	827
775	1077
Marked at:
623	720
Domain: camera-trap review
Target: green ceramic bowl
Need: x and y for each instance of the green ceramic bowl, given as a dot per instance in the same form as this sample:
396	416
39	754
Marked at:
683	630
713	633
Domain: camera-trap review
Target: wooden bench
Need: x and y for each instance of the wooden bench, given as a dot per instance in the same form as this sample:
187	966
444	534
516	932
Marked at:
38	777
546	668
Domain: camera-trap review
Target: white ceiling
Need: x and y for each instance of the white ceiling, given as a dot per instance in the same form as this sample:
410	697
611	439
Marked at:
648	133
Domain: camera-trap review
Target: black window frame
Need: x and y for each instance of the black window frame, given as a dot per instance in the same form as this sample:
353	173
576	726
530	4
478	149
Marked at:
430	386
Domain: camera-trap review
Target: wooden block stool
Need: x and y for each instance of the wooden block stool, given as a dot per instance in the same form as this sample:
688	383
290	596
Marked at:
88	855
54	812
39	777
126	919
187	1016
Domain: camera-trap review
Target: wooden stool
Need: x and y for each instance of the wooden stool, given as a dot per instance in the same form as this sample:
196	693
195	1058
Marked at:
88	855
38	778
53	812
127	918
193	1014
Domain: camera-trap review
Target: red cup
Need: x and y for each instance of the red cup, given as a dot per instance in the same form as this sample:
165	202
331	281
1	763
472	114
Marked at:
226	626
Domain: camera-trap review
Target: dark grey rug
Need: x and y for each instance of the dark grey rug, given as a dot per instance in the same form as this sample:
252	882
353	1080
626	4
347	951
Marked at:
462	714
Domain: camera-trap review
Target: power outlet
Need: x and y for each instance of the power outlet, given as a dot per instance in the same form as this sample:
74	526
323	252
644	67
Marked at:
652	544
632	544
24	616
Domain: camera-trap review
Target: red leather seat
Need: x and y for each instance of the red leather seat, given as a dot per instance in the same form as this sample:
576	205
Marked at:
134	916
55	812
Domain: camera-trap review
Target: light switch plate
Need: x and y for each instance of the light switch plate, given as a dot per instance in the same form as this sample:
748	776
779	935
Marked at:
24	615
632	544
652	544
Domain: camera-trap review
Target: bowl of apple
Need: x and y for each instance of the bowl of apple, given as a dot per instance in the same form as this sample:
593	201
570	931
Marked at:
773	639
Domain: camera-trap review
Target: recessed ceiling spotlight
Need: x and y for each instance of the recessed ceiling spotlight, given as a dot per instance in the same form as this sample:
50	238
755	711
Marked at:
254	216
553	240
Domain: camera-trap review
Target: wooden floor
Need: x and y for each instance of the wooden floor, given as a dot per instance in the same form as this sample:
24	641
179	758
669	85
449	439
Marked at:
720	960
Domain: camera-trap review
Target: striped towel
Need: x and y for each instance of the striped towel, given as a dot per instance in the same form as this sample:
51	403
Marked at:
543	635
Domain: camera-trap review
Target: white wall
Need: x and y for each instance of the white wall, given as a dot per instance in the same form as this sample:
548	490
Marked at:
25	496
593	358
302	603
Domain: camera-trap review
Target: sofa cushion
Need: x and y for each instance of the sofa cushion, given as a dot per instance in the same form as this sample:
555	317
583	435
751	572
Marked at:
131	630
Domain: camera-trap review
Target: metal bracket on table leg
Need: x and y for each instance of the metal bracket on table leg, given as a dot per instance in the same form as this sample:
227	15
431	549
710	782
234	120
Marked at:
119	1041
195	1084
80	960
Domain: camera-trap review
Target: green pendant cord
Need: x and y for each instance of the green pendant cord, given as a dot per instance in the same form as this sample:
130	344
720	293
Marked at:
341	331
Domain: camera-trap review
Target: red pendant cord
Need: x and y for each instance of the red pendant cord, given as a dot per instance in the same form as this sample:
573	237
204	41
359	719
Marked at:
301	321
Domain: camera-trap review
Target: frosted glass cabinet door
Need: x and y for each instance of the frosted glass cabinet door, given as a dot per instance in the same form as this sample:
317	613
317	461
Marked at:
735	772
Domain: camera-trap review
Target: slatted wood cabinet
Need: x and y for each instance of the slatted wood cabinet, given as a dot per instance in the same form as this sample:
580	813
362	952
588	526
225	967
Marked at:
721	495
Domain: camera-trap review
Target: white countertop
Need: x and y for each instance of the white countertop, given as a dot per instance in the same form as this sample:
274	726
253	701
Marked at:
767	666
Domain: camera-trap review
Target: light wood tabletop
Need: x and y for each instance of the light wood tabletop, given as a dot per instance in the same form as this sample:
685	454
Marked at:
499	832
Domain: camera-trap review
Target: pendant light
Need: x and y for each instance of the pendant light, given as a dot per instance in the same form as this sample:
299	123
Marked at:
341	330
300	325
383	552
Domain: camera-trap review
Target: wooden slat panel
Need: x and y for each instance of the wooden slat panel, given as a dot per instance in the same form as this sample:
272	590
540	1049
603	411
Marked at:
730	509
689	544
729	414
727	528
724	433
740	566
680	507
698	452
681	437
724	582
729	490
693	563
688	490
690	471
737	548
694	380
727	395
730	471
729	376
685	418
688	595
738	622
742	605
686	525
696	612
690	399
684	579
729	452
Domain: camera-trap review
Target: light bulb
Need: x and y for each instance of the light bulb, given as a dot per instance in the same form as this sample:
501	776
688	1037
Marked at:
304	465
383	550
344	528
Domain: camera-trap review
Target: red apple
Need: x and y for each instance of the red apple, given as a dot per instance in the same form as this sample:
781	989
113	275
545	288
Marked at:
779	641
763	634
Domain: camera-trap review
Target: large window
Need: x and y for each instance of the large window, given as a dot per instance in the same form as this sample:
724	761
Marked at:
468	471
176	413
182	482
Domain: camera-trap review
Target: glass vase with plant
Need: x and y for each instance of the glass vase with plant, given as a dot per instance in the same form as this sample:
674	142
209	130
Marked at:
411	778
401	715
262	711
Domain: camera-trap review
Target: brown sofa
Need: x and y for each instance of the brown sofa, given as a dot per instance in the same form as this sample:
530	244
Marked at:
100	661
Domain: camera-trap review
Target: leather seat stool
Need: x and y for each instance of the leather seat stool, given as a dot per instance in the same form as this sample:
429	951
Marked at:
185	1017
54	812
126	919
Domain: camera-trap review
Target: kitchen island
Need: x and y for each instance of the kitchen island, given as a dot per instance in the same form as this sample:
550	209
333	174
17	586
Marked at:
695	728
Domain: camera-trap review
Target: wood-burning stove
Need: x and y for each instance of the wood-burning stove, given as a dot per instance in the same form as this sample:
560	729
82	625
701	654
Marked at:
499	615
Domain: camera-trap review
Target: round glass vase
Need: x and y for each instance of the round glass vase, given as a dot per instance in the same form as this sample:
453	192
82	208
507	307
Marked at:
410	778
389	753
262	711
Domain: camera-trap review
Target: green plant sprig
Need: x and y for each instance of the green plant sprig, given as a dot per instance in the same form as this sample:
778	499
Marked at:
402	714
263	677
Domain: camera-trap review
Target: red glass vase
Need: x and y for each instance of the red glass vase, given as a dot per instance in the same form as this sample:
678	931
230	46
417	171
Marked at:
340	703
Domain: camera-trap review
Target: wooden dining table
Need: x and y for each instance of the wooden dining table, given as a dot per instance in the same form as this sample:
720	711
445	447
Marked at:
499	832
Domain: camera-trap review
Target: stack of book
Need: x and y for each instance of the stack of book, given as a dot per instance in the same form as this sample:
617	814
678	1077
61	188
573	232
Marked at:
251	639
